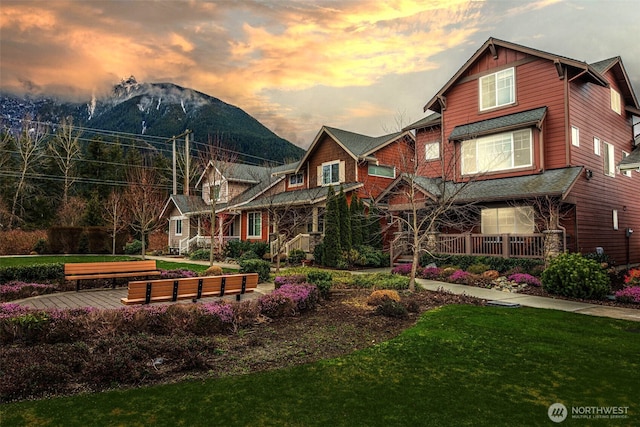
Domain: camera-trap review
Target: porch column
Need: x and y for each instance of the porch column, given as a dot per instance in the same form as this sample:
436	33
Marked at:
199	225
314	219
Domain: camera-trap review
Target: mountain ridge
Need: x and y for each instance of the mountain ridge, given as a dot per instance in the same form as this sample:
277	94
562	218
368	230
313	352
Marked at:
163	110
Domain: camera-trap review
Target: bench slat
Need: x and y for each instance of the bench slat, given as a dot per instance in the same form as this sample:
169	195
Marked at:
109	270
163	289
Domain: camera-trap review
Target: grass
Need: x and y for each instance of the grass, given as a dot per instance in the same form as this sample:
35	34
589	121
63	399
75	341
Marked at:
51	259
460	365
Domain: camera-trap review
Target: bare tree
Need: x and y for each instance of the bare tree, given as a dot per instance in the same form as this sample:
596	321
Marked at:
65	149
221	162
70	212
114	214
144	197
30	150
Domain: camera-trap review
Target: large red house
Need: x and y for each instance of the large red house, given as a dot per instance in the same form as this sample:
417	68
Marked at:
534	142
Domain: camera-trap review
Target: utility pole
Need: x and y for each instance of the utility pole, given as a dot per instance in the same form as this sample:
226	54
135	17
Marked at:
187	155
174	160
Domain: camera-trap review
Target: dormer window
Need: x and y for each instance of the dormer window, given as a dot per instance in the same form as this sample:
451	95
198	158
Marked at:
330	173
497	89
296	180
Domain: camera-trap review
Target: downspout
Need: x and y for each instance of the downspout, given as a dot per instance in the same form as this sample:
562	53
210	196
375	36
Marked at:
567	143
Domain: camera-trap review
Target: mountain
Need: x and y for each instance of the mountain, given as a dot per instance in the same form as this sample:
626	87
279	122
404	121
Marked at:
161	109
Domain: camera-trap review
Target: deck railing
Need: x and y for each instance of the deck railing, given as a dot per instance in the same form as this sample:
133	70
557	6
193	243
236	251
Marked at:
499	245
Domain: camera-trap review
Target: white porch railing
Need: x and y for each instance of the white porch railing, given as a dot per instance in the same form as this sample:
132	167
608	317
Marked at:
301	242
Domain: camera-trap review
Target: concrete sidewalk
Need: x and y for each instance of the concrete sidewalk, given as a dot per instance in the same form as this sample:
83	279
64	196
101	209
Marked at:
533	301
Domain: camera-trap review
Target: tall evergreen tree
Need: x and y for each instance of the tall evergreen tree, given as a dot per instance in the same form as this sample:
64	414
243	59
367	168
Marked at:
357	211
331	242
374	228
345	221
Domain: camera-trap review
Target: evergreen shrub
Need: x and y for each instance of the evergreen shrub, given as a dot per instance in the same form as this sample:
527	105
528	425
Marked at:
574	276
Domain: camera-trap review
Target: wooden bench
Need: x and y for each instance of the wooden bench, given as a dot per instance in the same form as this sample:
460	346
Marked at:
109	270
194	288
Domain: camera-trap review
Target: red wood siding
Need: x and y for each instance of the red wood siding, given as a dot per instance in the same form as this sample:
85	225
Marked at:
327	150
398	154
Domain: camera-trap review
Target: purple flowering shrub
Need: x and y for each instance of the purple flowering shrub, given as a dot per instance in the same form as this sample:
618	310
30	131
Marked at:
177	274
459	276
292	279
528	279
431	273
402	269
215	316
289	299
629	294
17	290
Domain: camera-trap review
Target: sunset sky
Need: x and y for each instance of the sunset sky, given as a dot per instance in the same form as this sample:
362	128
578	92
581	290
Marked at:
363	66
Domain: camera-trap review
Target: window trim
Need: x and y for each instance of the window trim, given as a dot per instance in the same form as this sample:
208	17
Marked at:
575	136
512	94
596	146
250	223
615	218
616	101
391	168
475	141
426	151
330	165
608	159
296	184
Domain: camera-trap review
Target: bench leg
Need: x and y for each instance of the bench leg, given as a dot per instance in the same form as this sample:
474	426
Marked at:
78	285
238	297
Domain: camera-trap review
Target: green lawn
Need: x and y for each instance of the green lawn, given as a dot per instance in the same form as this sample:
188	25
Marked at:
461	365
50	259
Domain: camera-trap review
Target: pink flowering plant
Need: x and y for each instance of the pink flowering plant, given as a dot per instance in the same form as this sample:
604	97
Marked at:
289	299
292	279
431	273
177	274
14	290
629	294
459	276
522	278
402	269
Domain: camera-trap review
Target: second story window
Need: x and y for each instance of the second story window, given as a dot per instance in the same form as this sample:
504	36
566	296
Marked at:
616	102
575	136
296	180
503	151
383	171
331	173
497	89
432	150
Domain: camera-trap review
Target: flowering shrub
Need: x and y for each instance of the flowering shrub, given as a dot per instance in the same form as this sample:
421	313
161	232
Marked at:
16	290
214	317
629	294
431	273
289	299
633	277
293	279
9	310
177	274
528	279
402	269
459	276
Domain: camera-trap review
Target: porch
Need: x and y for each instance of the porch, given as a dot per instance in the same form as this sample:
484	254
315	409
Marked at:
533	245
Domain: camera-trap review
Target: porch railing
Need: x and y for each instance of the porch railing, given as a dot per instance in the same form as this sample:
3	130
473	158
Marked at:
199	241
301	242
499	245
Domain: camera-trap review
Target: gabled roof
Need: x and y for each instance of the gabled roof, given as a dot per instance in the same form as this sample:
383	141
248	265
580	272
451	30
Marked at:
186	205
555	182
356	145
632	161
620	75
503	123
308	196
435	103
434	119
237	172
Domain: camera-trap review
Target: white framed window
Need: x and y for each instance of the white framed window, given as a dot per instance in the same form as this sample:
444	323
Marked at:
627	172
608	158
615	219
331	173
511	220
497	152
596	145
432	150
296	179
382	171
254	224
575	136
178	225
497	89
616	102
